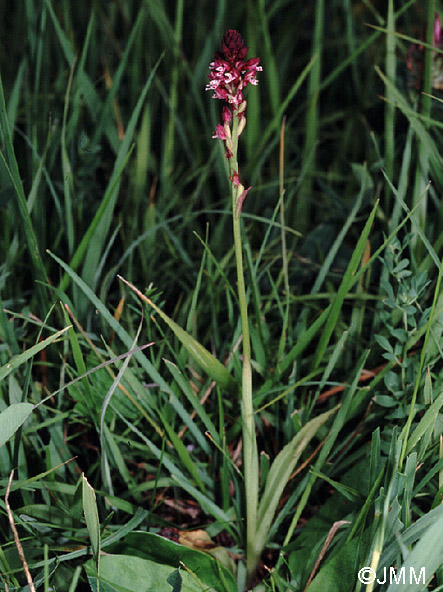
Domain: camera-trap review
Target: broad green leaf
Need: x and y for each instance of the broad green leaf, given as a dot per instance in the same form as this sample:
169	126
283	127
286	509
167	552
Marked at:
339	574
160	557
12	418
91	516
213	368
281	470
124	573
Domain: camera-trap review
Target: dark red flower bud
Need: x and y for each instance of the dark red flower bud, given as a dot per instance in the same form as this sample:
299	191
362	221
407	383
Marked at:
233	46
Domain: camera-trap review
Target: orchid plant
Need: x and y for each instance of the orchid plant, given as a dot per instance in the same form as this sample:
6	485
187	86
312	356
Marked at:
230	73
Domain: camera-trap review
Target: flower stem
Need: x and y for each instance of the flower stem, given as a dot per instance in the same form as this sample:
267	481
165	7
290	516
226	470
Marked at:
250	452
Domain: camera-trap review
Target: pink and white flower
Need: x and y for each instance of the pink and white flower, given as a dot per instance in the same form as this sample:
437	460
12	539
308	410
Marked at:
229	74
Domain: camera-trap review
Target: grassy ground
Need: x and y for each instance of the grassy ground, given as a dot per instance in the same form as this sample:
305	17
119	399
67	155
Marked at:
108	168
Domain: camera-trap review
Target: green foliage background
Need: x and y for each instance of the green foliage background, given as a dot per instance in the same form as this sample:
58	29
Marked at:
108	166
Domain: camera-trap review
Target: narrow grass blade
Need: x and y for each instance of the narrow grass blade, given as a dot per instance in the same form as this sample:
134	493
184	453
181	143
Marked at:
352	58
268	57
29	353
311	332
426	423
89	92
87	237
14	98
345	286
275	123
412	410
11	166
339	421
98	237
192	398
107	204
33	482
207	504
106	401
390	61
430	150
425	555
417	228
336	353
119	462
219	267
78	359
184	456
113	323
312	121
68	178
122	68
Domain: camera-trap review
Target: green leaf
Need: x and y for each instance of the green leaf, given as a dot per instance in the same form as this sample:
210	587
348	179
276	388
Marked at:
123	573
426	554
11	166
340	573
213	368
112	322
175	580
279	474
149	561
102	222
178	476
29	353
345	286
426	423
194	401
91	517
184	455
420	130
12	418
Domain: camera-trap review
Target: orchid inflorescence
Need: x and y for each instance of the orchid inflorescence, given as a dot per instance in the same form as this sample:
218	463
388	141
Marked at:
230	74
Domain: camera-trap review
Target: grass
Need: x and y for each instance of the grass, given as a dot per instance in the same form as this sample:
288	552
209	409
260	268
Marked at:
119	411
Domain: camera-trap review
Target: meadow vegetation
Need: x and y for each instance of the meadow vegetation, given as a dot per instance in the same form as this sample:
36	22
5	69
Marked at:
122	346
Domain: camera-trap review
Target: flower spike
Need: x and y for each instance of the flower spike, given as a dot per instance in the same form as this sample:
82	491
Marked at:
229	74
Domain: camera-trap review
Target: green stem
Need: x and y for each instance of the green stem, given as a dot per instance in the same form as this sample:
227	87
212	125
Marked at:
250	453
